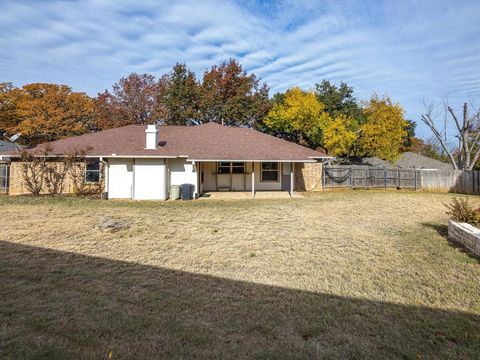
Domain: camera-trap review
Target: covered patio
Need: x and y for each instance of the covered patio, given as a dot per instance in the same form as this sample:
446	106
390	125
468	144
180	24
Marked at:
246	177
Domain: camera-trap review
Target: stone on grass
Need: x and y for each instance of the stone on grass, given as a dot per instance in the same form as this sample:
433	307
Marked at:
112	225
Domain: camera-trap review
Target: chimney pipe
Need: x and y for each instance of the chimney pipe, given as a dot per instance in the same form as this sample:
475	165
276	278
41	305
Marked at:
151	137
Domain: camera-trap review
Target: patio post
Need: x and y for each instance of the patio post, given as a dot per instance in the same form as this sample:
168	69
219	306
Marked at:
292	178
253	179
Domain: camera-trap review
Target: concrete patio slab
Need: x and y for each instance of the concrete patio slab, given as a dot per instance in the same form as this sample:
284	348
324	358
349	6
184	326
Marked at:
235	195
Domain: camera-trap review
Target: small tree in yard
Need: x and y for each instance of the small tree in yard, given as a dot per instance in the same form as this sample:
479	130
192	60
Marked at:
468	135
33	169
76	162
55	175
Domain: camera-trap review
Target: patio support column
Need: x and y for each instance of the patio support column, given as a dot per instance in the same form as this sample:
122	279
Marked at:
253	179
105	175
292	178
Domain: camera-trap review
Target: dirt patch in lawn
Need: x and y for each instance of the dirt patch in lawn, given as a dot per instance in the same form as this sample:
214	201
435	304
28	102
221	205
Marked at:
354	274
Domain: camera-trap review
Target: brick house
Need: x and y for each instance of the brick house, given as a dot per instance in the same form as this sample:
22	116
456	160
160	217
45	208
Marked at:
141	162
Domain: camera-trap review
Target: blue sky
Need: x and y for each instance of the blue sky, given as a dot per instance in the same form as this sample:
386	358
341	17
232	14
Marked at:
410	50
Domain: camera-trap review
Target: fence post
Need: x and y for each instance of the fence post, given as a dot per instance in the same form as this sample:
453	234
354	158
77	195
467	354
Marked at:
323	177
5	179
415	179
385	178
351	178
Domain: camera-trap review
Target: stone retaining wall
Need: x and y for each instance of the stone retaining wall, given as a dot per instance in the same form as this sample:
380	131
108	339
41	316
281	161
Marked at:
465	234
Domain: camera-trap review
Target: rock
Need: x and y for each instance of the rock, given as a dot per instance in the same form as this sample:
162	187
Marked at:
112	225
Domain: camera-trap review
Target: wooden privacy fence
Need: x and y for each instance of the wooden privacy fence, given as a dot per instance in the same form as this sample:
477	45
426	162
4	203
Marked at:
457	181
369	178
3	178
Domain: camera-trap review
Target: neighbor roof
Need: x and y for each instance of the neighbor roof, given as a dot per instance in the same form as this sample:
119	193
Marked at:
410	160
7	147
209	141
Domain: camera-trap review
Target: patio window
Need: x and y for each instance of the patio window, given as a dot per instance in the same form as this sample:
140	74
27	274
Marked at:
224	168
238	168
92	171
269	171
231	168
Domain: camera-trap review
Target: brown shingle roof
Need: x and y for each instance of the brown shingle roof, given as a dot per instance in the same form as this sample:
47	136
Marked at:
209	141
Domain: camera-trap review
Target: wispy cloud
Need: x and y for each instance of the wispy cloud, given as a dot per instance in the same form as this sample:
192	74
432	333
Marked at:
411	50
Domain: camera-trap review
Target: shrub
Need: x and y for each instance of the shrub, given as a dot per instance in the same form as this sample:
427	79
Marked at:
461	210
33	169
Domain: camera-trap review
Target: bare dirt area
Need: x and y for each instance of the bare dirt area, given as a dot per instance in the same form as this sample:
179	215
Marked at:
358	274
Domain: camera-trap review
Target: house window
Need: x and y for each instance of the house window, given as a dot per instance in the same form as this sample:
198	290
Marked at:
231	168
92	171
238	168
224	168
269	171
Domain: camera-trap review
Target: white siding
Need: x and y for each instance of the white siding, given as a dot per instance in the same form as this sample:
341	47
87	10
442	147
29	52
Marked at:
182	172
150	179
120	178
267	185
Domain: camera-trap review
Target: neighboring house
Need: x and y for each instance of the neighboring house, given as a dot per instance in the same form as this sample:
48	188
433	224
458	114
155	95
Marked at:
8	147
407	160
410	160
371	161
140	162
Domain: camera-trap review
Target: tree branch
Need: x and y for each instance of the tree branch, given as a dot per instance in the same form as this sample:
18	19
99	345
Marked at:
427	119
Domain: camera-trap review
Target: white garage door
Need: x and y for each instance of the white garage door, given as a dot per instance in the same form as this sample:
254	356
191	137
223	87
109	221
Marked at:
120	178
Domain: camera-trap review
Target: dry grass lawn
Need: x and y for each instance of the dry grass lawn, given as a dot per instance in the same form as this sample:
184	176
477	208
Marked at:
364	274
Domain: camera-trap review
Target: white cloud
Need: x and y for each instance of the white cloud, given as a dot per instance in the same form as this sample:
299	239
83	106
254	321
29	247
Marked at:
408	49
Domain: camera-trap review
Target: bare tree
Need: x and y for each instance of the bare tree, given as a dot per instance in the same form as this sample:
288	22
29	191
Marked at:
55	175
76	163
34	167
468	134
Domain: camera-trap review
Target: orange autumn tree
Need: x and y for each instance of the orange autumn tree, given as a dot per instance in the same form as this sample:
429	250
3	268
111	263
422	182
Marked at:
47	112
8	114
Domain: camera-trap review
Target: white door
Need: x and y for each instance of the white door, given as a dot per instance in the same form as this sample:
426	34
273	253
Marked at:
286	176
150	179
120	178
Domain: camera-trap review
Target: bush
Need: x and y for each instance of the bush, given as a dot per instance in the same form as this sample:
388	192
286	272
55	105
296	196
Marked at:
461	210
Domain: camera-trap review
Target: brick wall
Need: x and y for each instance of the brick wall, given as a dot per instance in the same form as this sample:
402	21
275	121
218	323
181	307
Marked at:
308	177
17	186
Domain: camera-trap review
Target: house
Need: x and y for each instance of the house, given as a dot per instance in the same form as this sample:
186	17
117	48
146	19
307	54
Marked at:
7	147
407	160
141	162
410	160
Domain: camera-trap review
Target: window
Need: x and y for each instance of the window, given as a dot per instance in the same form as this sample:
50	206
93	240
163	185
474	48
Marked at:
92	171
231	168
269	171
224	168
238	168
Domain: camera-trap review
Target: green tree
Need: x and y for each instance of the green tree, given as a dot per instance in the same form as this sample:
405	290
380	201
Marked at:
298	116
230	96
339	100
409	135
385	130
180	95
